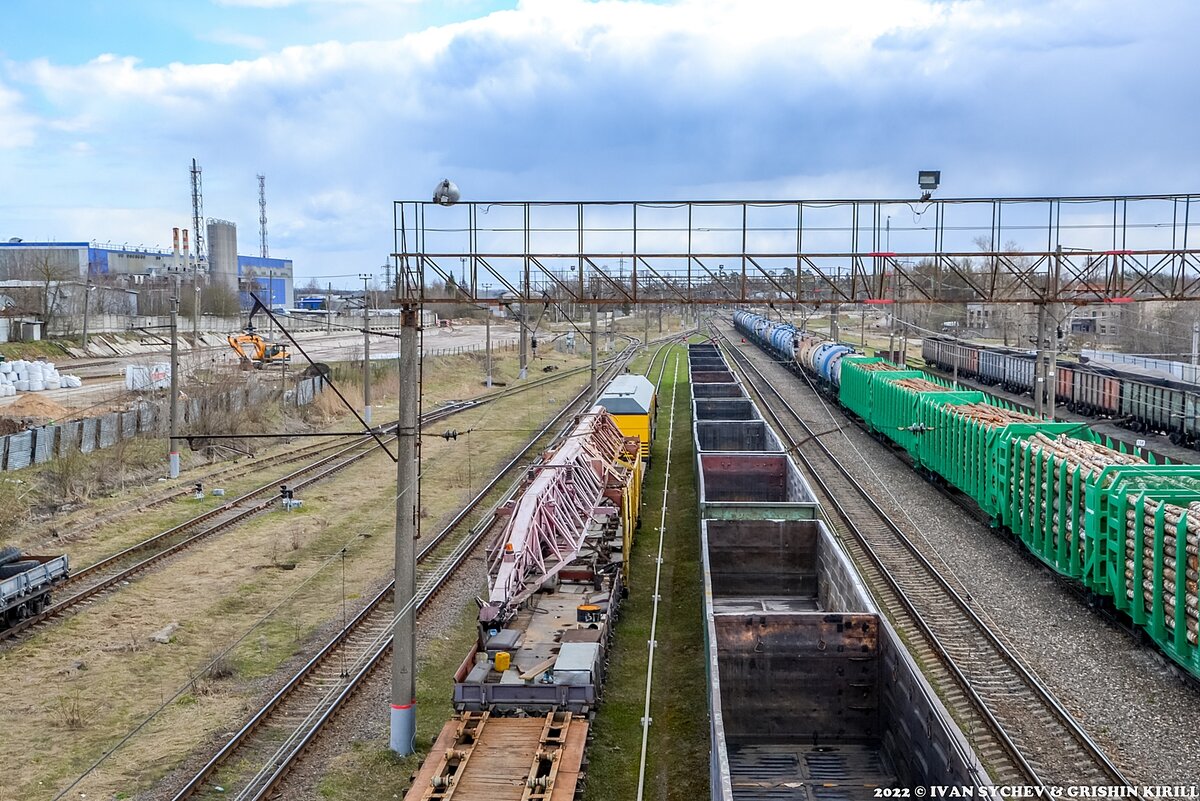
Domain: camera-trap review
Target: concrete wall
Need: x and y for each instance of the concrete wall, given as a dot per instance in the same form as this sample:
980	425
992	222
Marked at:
149	418
64	260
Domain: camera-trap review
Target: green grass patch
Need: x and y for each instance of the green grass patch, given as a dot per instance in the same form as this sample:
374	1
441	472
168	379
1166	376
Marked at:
31	351
370	770
677	753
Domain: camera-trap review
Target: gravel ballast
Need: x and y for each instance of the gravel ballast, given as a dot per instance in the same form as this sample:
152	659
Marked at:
364	719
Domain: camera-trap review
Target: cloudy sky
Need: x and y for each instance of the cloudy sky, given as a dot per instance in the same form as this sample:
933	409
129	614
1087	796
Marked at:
347	105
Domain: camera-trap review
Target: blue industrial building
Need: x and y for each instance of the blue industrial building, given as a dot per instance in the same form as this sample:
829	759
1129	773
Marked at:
269	278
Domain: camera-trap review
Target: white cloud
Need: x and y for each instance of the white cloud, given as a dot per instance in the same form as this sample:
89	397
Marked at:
564	98
18	127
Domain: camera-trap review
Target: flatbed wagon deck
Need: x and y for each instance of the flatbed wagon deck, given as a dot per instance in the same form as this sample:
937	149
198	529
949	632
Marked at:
480	757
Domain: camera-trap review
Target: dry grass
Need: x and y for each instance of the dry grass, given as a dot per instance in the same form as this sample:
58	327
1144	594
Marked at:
229	584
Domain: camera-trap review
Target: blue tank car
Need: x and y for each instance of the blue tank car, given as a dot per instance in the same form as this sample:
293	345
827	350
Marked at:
783	341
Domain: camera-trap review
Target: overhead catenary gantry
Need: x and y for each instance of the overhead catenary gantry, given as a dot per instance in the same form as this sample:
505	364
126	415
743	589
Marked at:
778	252
1111	249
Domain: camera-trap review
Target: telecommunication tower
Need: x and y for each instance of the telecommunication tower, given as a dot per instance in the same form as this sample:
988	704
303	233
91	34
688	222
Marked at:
198	214
262	216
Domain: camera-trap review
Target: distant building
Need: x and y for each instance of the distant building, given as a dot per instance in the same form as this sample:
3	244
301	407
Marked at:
134	267
269	279
1099	322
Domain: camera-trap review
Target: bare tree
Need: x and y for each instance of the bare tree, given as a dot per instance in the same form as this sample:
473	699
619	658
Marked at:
46	273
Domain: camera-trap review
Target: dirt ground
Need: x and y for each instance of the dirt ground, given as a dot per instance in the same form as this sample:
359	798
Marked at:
78	687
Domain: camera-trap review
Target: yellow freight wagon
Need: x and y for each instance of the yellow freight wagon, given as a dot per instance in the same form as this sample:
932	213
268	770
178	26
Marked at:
631	401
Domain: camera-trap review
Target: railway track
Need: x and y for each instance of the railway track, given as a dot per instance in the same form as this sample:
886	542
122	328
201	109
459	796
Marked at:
255	760
90	583
1019	729
255	465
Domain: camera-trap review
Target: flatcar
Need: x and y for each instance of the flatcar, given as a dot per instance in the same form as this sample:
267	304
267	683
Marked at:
1115	523
633	404
525	692
26	584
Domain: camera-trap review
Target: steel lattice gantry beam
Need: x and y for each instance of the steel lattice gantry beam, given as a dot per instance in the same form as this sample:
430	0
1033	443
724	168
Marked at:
993	250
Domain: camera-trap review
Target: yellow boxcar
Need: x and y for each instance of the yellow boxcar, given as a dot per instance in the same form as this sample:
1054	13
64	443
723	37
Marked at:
631	401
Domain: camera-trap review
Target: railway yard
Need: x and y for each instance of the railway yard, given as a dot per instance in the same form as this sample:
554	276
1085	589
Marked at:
771	596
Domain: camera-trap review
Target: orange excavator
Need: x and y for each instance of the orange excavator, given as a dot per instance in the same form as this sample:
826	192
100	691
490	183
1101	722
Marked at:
253	350
257	352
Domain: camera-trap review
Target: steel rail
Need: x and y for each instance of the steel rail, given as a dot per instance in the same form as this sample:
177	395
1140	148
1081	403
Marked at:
231	513
429	587
652	643
937	595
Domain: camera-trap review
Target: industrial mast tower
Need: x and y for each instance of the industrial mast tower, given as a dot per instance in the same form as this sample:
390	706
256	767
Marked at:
198	214
262	216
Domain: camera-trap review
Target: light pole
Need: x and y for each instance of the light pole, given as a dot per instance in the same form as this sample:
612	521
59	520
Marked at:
366	350
403	714
174	453
87	294
196	312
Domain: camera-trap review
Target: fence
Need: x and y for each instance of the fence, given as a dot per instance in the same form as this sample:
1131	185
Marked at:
149	418
497	347
210	324
1181	370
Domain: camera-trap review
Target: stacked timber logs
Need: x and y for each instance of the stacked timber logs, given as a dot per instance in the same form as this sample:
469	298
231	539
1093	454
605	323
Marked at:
1170	559
992	416
920	385
877	367
1045	458
1089	459
1091	456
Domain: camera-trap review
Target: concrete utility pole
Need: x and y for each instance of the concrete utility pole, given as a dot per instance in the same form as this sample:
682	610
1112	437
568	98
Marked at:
87	296
367	351
524	354
1051	366
592	334
833	322
328	309
487	336
522	320
404	646
487	347
195	310
1039	364
174	453
1195	343
892	319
